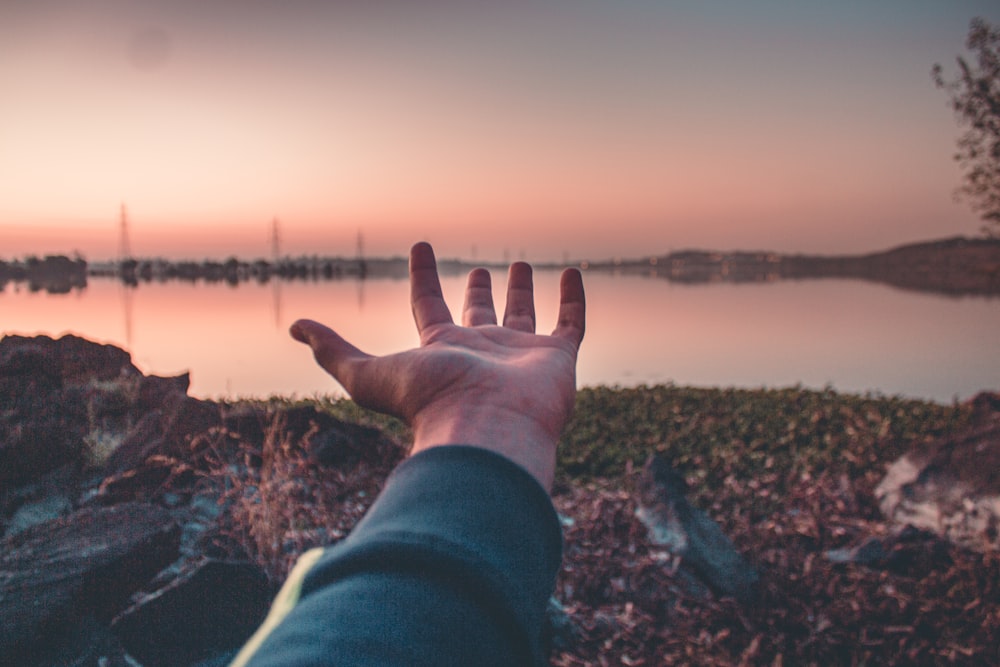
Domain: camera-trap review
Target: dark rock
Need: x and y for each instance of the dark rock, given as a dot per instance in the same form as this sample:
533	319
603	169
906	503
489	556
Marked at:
83	361
108	400
869	552
38	512
211	609
328	440
341	444
186	417
167	432
76	359
154	390
84	565
23	358
81	427
951	486
137	445
39	432
910	552
56	488
85	643
688	532
53	393
143	483
110	410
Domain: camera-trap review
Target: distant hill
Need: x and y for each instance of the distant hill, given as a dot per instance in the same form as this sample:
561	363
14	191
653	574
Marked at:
950	266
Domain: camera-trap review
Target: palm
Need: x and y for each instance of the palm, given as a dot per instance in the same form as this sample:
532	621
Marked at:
515	369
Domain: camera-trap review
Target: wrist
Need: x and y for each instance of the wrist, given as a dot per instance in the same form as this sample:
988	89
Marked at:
514	435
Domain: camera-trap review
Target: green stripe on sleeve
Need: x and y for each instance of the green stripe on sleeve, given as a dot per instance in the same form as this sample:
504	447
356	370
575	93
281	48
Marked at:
283	603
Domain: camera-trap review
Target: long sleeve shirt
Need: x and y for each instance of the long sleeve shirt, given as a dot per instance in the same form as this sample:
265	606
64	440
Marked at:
452	565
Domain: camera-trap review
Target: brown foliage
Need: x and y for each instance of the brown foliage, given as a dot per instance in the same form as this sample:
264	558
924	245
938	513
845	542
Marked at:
280	501
923	602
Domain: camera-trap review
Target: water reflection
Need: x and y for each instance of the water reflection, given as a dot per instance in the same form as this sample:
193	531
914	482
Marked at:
127	292
852	335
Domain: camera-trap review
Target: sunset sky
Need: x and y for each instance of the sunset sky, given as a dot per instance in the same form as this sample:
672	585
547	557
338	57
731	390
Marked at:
539	130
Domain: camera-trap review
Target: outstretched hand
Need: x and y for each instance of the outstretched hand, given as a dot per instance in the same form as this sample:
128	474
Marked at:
502	388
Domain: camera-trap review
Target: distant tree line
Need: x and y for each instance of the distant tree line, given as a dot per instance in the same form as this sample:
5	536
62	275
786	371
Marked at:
57	274
234	271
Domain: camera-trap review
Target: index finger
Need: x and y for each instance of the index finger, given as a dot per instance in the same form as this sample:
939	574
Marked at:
572	307
426	297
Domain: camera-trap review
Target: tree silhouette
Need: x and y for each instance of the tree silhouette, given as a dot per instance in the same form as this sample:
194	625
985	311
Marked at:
975	98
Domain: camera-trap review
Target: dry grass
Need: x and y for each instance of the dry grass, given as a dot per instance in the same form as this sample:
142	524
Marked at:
280	502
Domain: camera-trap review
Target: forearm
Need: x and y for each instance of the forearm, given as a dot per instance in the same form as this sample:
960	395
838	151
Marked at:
458	554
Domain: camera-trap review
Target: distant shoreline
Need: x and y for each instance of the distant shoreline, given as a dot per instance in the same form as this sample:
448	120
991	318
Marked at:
954	266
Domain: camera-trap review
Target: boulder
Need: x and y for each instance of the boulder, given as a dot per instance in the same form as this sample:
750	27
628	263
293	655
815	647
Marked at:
48	497
149	481
328	440
76	360
154	390
22	360
951	486
138	444
186	417
84	565
40	431
910	552
166	431
212	608
341	444
54	395
83	361
38	512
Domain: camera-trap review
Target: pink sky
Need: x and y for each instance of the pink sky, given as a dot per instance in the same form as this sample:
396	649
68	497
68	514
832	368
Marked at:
584	128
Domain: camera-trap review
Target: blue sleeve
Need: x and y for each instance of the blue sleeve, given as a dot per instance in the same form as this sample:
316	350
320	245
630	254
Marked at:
452	565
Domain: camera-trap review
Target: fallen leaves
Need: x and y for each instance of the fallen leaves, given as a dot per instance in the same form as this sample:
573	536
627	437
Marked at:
935	603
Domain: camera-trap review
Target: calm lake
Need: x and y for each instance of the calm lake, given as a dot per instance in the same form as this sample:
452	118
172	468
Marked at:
850	335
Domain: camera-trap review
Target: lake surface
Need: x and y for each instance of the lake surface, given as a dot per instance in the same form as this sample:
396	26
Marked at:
851	335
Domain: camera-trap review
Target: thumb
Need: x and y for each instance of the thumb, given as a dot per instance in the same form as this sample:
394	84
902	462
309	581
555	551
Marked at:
332	353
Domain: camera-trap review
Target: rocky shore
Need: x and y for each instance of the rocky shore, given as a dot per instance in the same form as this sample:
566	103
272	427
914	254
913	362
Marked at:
142	526
138	521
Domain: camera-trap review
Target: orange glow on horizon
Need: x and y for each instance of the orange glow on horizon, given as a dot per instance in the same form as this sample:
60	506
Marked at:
572	129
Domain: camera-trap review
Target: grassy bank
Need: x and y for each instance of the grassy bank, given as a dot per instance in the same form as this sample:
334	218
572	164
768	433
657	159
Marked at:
715	434
766	440
741	431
